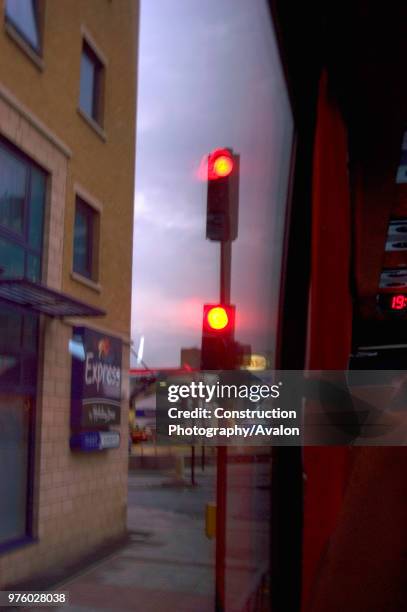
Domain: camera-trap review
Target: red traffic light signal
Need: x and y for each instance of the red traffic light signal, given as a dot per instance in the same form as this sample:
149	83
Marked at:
223	166
217	318
220	164
218	345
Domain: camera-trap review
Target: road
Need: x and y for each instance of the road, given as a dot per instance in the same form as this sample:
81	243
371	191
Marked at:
248	487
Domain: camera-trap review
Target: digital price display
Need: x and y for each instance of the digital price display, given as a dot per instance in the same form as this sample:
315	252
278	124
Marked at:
398	302
393	303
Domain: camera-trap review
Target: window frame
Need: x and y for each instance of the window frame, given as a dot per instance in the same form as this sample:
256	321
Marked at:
92	216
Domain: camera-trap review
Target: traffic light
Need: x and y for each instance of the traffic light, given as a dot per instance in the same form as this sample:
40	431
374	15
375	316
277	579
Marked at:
218	345
223	195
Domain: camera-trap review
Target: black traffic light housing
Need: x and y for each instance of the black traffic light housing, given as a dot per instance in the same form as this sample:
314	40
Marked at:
223	195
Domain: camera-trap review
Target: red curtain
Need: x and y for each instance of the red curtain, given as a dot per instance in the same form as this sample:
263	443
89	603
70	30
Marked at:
330	321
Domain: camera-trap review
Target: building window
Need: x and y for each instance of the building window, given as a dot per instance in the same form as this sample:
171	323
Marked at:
90	98
23	15
22	203
18	379
85	240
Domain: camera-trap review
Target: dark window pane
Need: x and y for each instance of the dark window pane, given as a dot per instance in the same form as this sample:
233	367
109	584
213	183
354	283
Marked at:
87	85
36	208
10	372
18	350
33	267
82	260
14	418
29	371
30	332
22	201
10	330
13	176
22	13
11	259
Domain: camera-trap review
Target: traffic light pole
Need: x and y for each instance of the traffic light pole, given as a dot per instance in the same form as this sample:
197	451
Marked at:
225	271
221	462
221	484
222	227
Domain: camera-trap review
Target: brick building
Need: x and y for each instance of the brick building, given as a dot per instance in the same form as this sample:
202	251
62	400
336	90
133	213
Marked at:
67	140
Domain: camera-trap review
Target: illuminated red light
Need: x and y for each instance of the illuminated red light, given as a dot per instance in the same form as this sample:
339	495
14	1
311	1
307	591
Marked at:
223	166
398	302
217	318
220	164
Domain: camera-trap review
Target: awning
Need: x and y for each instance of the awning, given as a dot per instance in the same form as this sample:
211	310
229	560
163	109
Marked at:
36	297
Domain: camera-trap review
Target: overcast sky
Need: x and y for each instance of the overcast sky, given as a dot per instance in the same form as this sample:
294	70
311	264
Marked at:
209	76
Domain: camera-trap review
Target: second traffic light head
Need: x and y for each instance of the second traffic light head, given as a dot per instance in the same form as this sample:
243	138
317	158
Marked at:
218	346
218	318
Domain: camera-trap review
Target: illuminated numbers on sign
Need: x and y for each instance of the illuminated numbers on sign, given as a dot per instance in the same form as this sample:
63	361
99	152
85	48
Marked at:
398	302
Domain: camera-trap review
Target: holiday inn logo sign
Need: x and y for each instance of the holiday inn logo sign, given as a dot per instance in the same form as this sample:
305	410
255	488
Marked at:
96	380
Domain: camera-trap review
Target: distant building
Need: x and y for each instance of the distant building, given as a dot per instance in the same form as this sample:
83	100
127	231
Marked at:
67	142
191	358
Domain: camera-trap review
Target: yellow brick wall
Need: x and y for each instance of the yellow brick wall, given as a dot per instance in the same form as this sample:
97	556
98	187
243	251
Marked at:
79	499
104	168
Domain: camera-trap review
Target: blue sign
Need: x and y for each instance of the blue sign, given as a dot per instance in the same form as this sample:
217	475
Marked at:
148	413
96	379
95	440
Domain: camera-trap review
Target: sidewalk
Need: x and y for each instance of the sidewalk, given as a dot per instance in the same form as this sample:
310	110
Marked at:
167	565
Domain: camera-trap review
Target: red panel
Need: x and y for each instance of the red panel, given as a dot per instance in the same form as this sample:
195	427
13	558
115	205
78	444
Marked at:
330	321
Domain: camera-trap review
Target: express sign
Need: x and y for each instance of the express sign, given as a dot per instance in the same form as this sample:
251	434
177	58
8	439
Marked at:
96	379
99	374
